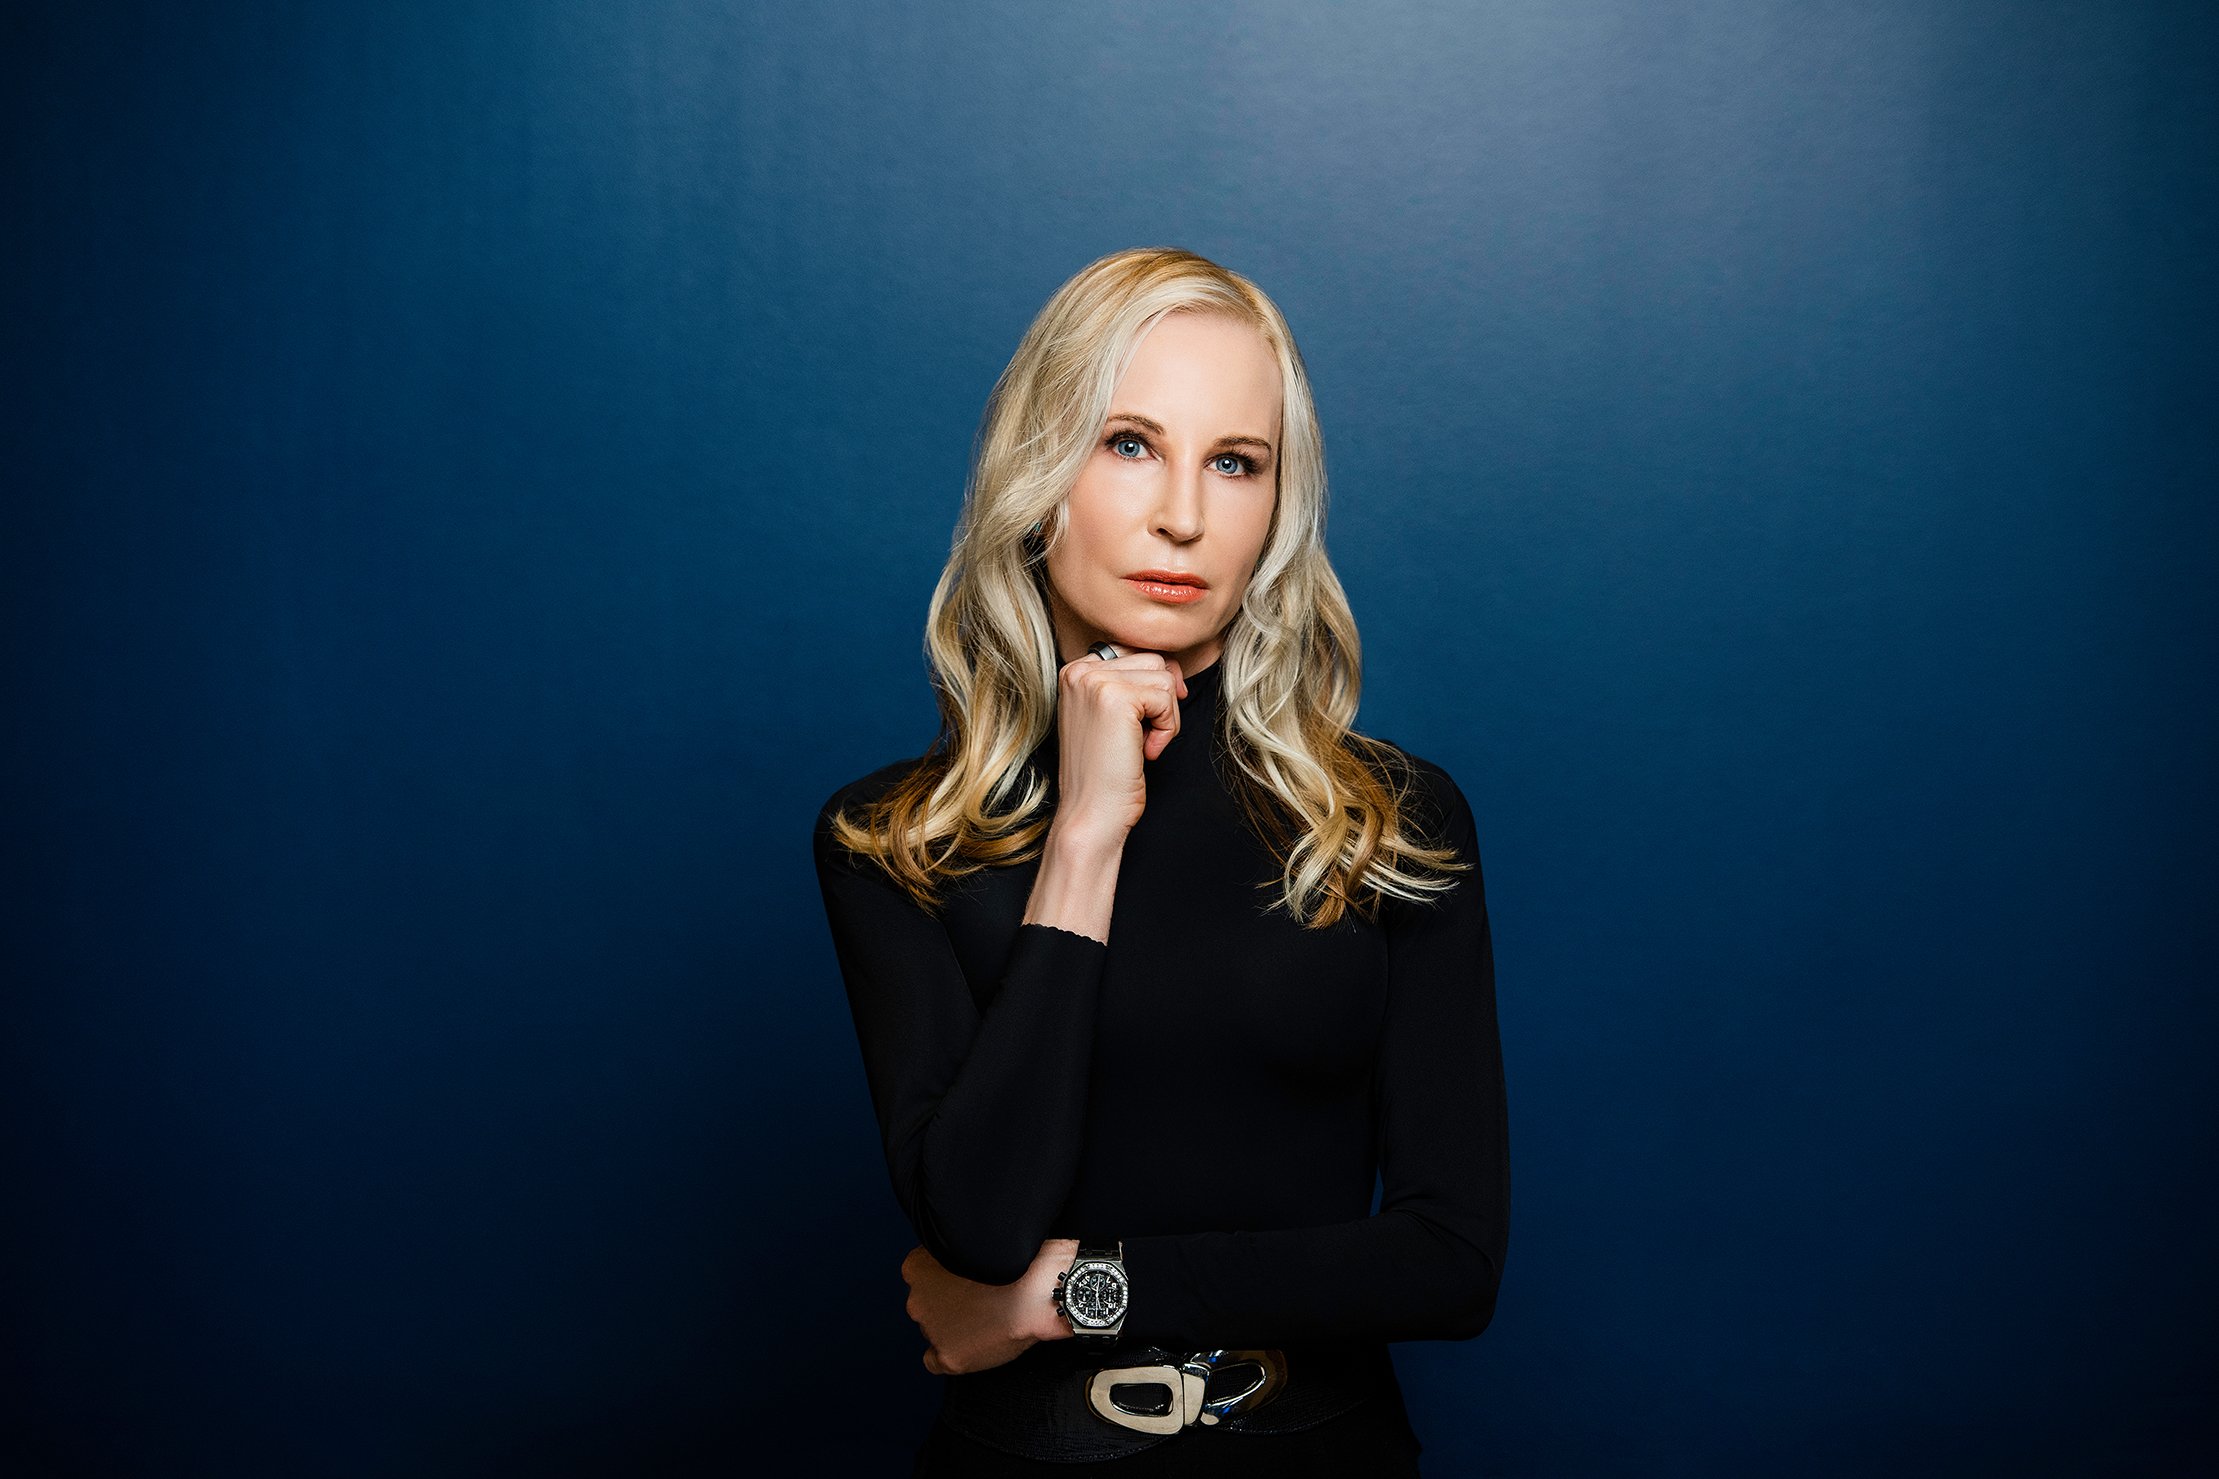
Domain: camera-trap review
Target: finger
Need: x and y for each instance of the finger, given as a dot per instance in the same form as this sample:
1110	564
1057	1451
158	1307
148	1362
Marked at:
1160	713
1096	674
1149	680
1105	677
932	1362
1135	661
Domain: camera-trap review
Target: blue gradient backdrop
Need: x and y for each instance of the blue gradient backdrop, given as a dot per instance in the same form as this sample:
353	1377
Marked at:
474	478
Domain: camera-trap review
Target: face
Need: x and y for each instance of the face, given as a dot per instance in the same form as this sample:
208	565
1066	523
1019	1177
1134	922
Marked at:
1168	517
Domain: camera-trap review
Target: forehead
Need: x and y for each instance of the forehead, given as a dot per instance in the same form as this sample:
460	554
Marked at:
1203	372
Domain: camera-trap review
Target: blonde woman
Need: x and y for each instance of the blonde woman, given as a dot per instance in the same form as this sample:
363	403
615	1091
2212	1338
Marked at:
1155	963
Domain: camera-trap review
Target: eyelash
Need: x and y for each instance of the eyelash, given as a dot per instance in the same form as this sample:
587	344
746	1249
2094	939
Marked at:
1248	464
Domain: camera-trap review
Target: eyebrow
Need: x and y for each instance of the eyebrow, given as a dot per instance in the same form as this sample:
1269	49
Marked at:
1157	428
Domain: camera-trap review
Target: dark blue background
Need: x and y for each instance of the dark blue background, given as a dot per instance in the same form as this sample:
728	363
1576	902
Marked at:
475	474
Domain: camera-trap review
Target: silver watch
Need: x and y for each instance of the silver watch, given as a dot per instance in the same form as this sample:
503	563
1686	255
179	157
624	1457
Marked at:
1093	1293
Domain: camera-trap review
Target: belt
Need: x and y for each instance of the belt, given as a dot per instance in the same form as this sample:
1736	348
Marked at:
1057	1402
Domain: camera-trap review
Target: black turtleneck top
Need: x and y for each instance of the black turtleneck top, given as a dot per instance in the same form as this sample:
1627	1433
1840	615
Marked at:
1216	1086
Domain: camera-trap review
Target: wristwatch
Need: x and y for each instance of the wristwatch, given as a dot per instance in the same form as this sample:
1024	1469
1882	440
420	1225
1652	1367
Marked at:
1092	1294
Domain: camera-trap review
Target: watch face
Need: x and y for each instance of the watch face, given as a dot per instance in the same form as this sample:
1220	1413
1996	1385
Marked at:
1095	1295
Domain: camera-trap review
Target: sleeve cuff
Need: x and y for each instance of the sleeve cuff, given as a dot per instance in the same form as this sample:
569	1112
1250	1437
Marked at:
1163	1311
1058	933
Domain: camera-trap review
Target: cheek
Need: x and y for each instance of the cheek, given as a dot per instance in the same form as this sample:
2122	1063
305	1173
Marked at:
1099	501
1092	518
1072	564
1256	531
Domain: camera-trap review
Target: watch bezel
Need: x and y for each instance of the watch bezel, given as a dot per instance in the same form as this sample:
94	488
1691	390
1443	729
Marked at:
1115	1268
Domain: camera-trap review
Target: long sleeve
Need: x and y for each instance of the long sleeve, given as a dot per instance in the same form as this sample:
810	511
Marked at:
982	1114
1427	1265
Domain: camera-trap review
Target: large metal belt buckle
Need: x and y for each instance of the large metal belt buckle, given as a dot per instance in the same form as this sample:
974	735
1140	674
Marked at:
1171	1397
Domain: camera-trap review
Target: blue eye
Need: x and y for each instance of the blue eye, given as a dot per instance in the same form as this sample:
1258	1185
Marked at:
1241	466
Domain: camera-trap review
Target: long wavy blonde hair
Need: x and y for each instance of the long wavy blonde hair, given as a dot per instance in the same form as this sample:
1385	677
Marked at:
1331	804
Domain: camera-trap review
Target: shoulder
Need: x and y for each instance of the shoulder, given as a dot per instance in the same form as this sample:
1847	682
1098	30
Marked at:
1436	805
1435	813
865	789
853	798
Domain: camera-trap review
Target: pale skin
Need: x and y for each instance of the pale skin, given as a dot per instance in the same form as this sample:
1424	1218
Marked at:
1182	481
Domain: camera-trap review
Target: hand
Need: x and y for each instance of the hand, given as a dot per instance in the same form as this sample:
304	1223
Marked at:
1110	716
969	1326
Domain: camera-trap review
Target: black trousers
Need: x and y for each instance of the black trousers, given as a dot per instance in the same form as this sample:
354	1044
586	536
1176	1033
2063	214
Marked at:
1374	1441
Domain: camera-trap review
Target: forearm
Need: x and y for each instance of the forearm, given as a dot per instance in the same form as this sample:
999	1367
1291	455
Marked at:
984	1169
1076	888
981	1112
1035	1108
1038	1316
1397	1275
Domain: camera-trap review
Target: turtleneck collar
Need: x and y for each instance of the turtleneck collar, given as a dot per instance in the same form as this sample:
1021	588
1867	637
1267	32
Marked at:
1202	691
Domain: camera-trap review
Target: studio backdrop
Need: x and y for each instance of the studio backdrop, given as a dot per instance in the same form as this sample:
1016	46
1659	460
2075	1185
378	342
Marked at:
475	473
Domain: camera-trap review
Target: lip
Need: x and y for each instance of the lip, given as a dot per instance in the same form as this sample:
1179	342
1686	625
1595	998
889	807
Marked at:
1175	587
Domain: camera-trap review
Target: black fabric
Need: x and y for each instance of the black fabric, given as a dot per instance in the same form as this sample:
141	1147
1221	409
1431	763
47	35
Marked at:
1372	1441
1215	1086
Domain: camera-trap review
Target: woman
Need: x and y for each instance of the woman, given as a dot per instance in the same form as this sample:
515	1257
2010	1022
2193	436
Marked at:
1155	964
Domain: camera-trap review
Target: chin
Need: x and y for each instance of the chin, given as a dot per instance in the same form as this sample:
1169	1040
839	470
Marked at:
1160	636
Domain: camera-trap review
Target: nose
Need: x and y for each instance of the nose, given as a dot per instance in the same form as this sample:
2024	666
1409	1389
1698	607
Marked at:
1178	512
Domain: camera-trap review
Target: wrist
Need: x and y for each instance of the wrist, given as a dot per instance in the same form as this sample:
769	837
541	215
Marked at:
1076	887
1056	1258
1082	842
